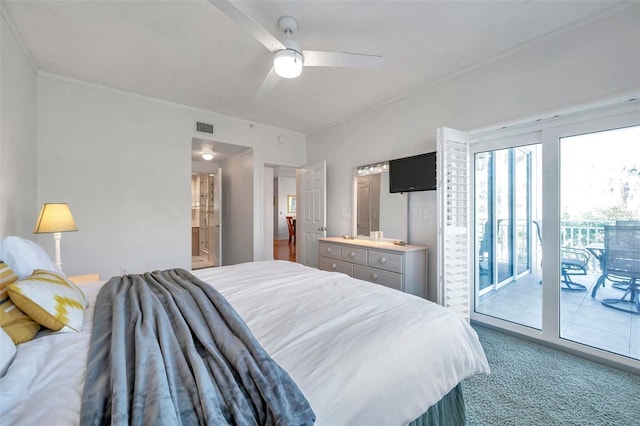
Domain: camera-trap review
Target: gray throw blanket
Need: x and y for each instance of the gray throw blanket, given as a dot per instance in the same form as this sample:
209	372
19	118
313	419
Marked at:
168	349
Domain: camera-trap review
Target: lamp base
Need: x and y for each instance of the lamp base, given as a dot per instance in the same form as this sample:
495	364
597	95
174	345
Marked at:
57	236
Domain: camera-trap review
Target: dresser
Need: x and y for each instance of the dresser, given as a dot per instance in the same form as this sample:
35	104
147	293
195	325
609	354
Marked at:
402	268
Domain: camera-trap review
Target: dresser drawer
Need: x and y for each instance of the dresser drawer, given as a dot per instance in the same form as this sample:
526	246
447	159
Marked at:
385	260
354	255
332	265
329	250
387	279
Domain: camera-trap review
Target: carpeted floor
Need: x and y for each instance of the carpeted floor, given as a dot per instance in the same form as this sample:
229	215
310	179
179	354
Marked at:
531	384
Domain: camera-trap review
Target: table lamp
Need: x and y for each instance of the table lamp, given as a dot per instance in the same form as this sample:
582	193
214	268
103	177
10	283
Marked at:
55	218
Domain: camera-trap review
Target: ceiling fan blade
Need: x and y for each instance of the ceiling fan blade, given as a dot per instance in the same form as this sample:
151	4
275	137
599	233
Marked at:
248	24
268	84
317	58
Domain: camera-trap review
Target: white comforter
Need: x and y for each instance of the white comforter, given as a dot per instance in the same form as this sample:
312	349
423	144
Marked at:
361	353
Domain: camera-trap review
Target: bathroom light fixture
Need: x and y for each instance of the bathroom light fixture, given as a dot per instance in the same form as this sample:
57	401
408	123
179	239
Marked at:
207	153
287	63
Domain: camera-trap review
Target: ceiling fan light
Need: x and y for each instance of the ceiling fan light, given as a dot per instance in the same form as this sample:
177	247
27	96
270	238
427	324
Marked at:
287	63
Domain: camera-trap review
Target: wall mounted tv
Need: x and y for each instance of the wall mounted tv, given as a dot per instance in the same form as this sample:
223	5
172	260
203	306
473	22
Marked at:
416	173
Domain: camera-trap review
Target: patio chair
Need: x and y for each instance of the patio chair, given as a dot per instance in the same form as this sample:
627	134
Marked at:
573	261
622	264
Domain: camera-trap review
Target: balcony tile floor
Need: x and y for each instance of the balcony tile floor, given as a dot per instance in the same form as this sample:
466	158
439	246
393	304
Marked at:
583	319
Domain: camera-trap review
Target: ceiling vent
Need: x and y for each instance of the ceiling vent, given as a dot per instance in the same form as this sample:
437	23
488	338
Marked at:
205	128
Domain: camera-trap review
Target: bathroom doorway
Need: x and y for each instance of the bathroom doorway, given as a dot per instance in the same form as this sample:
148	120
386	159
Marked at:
205	219
208	221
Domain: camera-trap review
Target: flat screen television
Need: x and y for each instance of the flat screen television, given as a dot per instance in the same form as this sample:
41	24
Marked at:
416	173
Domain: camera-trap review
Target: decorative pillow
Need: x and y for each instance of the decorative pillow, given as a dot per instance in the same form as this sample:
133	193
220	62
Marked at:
24	256
7	351
13	321
51	300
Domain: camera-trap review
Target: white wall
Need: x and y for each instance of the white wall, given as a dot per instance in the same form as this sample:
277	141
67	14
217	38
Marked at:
574	67
123	163
238	209
18	139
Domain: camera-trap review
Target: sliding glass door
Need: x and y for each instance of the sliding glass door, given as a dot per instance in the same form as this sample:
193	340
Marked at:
600	187
506	221
545	203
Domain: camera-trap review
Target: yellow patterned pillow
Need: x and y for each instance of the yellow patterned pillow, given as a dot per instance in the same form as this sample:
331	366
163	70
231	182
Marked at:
50	299
14	322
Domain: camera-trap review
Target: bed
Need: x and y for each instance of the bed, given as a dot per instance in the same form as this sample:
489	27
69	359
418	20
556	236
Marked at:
362	354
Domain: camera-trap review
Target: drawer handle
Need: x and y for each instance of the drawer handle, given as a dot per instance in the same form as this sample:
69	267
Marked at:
383	260
328	249
374	277
352	255
334	266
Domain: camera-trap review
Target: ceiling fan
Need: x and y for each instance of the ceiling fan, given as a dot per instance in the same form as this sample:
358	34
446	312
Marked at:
288	58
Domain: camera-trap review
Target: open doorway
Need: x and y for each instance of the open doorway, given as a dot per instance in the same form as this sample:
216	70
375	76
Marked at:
284	213
208	159
205	219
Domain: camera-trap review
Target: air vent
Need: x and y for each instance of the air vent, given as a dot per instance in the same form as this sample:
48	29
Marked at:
205	127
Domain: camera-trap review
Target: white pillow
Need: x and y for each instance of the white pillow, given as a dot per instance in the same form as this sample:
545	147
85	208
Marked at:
24	256
7	351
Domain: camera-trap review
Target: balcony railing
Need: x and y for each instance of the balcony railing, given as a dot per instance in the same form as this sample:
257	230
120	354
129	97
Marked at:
575	234
580	234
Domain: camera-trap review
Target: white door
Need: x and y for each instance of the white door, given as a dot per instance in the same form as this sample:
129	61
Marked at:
311	223
216	255
454	221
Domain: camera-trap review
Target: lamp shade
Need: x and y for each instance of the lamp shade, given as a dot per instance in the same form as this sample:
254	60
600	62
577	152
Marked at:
55	217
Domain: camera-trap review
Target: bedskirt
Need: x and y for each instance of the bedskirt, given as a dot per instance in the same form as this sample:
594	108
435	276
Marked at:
449	411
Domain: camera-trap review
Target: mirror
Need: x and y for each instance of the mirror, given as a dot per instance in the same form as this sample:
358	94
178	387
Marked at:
376	209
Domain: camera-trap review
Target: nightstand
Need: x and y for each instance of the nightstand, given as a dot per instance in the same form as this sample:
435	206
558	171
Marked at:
86	278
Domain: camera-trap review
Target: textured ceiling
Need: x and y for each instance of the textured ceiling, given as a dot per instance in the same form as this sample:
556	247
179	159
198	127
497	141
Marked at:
190	53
